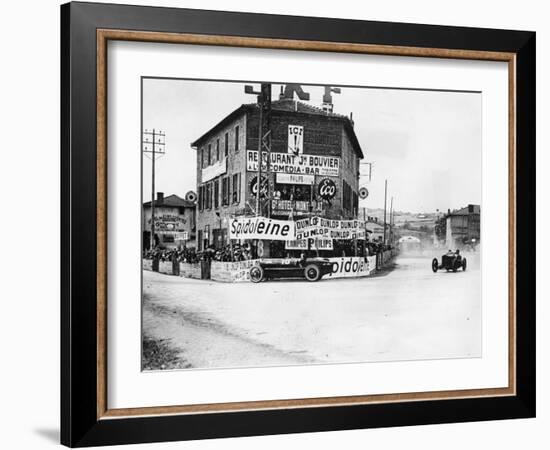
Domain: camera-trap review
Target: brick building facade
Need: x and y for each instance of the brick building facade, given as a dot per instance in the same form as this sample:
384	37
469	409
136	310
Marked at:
227	158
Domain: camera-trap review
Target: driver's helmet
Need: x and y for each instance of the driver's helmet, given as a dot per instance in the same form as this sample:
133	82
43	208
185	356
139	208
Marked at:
457	251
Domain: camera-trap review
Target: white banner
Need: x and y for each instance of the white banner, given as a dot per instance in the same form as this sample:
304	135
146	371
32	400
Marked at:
300	244
353	266
261	228
318	227
295	139
216	169
295	164
290	178
312	244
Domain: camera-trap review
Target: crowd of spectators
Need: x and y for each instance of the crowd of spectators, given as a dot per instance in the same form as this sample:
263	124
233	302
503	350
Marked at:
227	253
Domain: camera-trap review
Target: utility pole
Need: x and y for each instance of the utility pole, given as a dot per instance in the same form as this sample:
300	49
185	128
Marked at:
264	141
153	143
391	221
385	200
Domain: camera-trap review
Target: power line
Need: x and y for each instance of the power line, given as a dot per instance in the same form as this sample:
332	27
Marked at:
153	143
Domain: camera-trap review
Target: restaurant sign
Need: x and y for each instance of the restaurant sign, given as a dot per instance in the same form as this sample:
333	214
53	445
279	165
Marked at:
295	164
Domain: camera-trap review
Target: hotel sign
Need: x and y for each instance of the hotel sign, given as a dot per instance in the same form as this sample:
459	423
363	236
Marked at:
295	164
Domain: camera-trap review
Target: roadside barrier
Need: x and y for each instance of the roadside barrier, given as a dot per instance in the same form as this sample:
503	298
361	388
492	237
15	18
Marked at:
239	271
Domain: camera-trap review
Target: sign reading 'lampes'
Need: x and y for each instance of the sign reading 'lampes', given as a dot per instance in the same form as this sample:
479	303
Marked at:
327	189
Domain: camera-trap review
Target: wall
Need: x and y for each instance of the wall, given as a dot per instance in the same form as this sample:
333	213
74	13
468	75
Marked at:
30	107
323	135
235	164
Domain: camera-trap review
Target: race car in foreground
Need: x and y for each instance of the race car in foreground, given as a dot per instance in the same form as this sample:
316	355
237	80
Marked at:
312	269
450	261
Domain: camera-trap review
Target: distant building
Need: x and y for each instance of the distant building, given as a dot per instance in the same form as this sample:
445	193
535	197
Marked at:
174	222
459	227
325	148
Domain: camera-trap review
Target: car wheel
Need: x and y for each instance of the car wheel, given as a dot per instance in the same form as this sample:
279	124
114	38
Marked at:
435	265
256	274
312	272
464	264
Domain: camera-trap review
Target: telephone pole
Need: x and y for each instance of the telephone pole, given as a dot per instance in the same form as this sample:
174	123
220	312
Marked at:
153	144
264	141
385	200
391	221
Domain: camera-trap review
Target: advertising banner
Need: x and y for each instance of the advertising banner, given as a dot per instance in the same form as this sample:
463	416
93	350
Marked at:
290	178
318	227
295	164
311	244
231	271
295	139
300	244
261	228
352	266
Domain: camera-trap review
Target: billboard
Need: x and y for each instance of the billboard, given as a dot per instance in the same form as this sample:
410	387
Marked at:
295	164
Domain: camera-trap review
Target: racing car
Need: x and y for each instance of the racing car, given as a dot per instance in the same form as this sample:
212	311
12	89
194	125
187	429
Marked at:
450	261
312	269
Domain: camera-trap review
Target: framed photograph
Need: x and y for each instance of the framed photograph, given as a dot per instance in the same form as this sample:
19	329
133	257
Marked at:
276	224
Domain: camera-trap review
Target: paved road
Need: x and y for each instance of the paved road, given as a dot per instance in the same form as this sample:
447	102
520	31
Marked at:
405	313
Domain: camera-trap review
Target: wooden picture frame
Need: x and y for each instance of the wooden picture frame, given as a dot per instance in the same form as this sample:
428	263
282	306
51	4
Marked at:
85	417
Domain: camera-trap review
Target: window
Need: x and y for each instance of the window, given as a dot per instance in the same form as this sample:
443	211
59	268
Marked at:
226	143
347	196
216	193
209	161
236	187
169	238
201	157
226	193
208	193
217	149
201	198
236	138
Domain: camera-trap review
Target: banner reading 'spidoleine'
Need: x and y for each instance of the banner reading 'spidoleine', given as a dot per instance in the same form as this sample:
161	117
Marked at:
261	228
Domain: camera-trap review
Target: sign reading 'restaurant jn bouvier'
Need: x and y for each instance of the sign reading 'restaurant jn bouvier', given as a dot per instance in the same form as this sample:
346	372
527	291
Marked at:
261	228
297	164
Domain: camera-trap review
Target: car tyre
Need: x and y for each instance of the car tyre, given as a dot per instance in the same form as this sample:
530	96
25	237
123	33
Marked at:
464	264
312	272
256	274
435	265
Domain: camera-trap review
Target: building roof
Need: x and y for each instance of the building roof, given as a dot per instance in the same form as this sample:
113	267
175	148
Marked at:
173	201
288	105
466	211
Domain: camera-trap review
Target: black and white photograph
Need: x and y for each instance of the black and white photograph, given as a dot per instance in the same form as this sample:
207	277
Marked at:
286	223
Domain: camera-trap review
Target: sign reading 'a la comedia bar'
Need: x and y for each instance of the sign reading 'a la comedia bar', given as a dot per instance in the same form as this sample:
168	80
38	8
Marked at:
295	164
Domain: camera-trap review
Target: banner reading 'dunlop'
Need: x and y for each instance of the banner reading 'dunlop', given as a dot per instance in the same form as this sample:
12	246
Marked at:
261	228
319	227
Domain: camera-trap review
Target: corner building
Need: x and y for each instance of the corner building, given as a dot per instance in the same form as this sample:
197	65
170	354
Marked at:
227	158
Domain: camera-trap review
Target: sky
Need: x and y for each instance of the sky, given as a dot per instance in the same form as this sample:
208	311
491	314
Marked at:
427	144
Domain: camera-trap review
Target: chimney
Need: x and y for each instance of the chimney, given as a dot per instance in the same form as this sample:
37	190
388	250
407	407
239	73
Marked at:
160	197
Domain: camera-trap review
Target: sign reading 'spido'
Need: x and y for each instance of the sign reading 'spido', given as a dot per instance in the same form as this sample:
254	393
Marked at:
261	228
